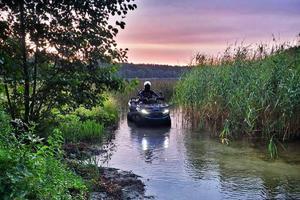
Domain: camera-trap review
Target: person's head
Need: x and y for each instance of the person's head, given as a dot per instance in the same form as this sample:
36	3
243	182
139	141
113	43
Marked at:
147	85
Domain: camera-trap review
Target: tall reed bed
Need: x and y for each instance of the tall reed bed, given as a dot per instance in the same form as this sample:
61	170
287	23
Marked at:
255	93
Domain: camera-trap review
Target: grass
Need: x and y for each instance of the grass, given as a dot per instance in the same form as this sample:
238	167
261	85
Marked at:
246	93
75	130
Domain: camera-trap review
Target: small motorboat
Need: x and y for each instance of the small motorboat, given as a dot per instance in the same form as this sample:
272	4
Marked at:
152	111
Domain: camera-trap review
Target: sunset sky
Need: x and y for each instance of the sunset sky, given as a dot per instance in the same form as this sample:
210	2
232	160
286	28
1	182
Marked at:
172	31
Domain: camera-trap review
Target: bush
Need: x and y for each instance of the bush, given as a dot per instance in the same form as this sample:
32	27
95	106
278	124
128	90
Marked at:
84	124
31	170
5	128
106	115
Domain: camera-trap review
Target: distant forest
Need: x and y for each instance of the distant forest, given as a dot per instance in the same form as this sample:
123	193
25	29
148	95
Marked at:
129	70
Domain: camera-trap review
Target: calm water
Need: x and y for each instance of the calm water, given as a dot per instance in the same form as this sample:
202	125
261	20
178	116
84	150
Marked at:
177	163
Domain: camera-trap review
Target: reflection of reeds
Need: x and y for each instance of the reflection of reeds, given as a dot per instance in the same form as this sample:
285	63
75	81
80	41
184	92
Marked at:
246	92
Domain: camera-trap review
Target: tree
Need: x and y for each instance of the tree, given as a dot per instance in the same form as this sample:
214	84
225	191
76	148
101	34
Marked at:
50	52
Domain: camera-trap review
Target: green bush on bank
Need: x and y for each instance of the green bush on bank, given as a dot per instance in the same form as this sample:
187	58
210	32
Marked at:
32	170
106	115
86	124
258	97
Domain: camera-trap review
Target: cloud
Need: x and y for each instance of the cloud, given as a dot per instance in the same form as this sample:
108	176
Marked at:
161	25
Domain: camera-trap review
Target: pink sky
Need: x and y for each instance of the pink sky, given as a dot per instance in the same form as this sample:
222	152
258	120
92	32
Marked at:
172	31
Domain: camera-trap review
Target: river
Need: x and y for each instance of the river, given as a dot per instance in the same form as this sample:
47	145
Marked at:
179	163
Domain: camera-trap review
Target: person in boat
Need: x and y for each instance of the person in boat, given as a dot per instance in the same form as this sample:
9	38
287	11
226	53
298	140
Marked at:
147	93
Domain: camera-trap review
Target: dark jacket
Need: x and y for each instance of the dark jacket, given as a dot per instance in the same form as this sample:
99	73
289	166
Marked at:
147	94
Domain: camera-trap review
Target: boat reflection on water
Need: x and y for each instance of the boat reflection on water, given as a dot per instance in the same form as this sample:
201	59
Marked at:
151	142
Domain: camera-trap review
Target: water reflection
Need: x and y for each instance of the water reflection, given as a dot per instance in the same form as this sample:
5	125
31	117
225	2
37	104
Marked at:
179	163
151	141
242	171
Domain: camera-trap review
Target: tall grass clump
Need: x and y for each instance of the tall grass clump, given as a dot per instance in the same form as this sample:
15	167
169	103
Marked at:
256	93
75	130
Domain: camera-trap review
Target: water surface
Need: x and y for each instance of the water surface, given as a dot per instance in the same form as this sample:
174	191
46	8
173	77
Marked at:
178	163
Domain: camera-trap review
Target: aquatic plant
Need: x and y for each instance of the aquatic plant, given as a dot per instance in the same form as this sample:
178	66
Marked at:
254	93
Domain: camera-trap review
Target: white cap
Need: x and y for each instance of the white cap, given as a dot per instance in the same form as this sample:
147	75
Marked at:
147	83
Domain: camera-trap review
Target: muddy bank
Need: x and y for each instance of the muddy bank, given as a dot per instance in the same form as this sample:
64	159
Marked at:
118	184
82	150
105	183
109	183
85	150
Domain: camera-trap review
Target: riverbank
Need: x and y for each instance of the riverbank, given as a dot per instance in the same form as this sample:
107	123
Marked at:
103	182
65	170
59	165
113	184
108	183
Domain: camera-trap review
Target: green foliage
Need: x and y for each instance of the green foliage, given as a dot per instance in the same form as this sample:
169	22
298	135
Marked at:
4	125
225	133
32	170
86	124
257	97
131	86
74	130
55	53
106	114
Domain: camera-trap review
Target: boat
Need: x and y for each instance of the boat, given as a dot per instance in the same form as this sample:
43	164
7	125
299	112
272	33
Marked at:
149	112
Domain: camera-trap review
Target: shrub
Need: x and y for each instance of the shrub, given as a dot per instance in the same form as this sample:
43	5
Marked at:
106	115
84	124
5	128
31	170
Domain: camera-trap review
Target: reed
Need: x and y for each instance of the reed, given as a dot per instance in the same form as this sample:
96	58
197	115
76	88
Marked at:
253	93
